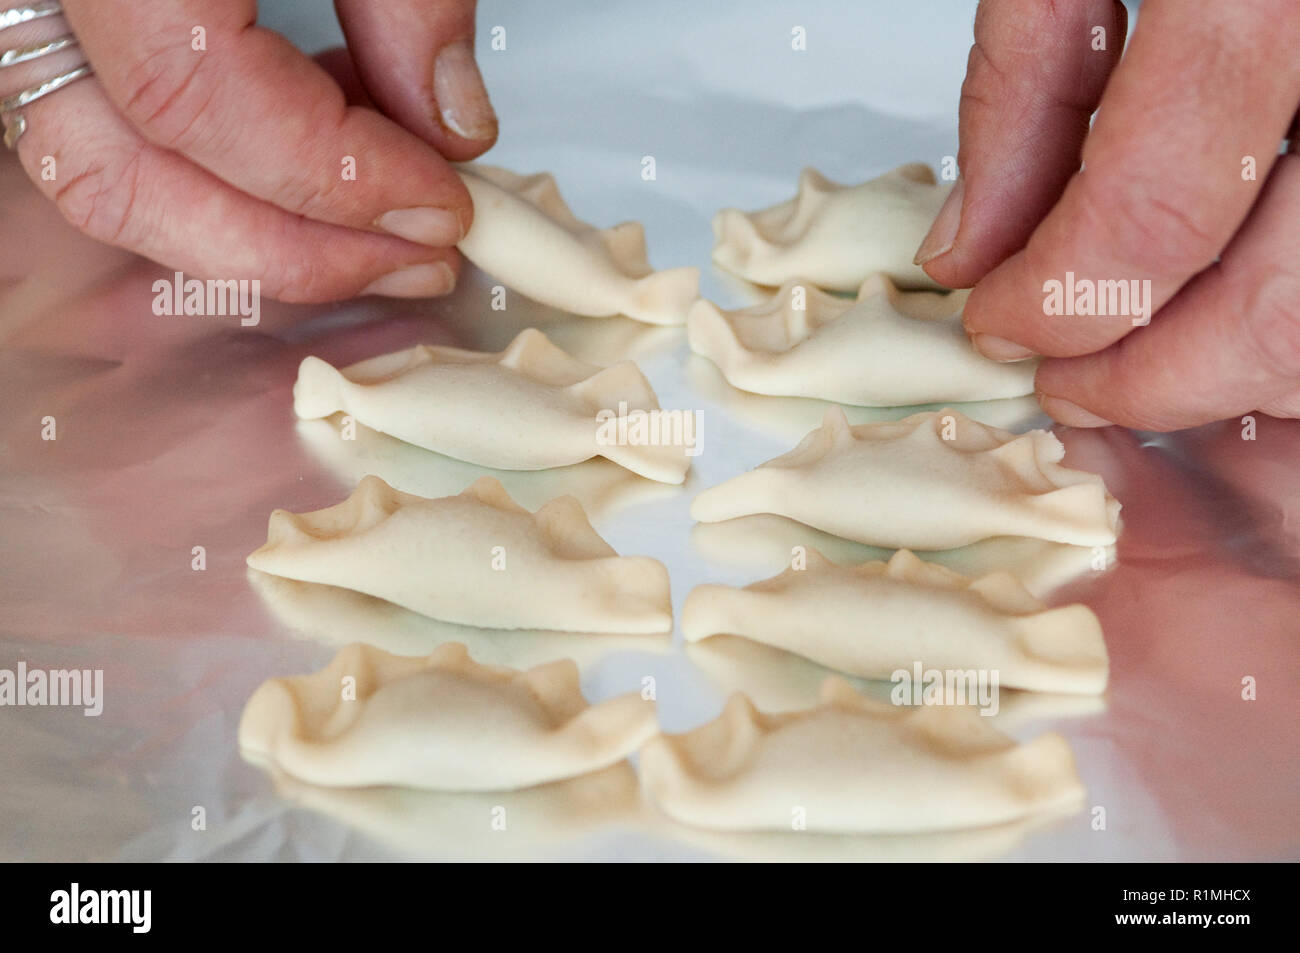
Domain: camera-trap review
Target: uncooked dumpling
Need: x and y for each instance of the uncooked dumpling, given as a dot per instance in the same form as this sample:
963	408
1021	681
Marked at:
350	450
834	235
875	619
776	680
764	544
933	480
889	348
477	558
336	616
529	407
526	236
855	765
790	418
442	722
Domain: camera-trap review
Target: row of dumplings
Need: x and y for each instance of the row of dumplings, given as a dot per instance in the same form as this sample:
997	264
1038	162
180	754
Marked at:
931	481
833	237
887	347
848	765
480	559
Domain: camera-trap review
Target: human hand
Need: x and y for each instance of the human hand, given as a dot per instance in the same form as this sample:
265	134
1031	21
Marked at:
1182	186
215	147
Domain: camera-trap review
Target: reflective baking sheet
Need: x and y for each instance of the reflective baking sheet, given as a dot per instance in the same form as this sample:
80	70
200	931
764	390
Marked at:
174	433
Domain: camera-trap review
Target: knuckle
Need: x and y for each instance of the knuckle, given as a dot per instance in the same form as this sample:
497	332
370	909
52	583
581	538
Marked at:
984	84
1015	27
306	193
163	93
1133	396
315	187
1271	321
1014	31
103	199
1140	406
292	279
1156	234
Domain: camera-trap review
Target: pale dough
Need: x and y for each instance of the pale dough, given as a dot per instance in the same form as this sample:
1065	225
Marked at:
529	407
338	617
834	235
764	543
790	418
477	558
351	450
852	764
442	722
525	235
776	680
889	348
874	619
902	484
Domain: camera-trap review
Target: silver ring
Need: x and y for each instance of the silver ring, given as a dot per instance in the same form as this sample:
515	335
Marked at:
13	130
15	124
31	11
33	93
24	54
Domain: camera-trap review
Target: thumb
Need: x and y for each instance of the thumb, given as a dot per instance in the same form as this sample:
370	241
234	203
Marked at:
416	59
1033	79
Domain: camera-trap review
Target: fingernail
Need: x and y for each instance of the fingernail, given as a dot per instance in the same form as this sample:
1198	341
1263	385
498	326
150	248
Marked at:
1071	414
461	96
1000	349
414	281
440	227
943	232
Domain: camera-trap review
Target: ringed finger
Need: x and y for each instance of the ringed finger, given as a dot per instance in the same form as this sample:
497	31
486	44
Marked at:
116	187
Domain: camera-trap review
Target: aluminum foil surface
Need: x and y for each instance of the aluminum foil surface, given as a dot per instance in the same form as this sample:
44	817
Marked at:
173	433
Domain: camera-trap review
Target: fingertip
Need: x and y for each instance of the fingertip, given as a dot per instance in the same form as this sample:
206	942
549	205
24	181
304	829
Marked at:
442	222
424	225
942	236
417	61
457	149
461	99
1069	413
424	280
1000	349
973	313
